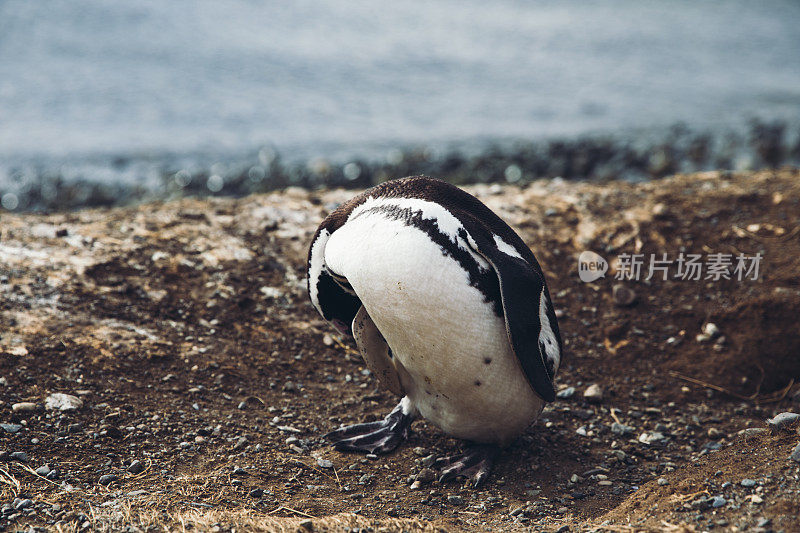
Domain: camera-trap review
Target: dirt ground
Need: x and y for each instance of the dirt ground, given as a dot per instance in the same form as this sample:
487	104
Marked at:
207	379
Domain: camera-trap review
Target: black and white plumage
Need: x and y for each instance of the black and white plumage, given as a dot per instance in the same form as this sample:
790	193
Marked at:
449	309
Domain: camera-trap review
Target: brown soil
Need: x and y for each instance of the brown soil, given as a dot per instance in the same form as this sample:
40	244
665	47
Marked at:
185	329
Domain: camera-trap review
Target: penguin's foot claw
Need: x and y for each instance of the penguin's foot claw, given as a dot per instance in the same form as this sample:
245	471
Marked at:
373	437
475	463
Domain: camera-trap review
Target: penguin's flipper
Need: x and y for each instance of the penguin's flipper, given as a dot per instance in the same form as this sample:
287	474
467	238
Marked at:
376	352
530	321
375	437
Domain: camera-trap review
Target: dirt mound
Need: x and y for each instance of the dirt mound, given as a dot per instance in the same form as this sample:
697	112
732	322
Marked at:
758	351
208	380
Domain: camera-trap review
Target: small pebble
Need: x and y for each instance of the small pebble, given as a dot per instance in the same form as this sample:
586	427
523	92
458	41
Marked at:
10	428
22	457
748	483
621	429
62	402
652	438
43	470
426	475
566	393
718	502
795	455
422	452
23	504
593	394
783	421
24	407
136	467
324	463
107	479
256	493
711	330
455	499
622	295
663	481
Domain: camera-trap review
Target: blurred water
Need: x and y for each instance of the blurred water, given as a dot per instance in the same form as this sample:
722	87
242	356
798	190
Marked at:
90	78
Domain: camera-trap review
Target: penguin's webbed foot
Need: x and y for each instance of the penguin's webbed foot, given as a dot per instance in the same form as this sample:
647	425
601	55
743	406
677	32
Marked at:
373	437
475	463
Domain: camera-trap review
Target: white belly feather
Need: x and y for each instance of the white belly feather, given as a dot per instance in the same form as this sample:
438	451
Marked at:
457	365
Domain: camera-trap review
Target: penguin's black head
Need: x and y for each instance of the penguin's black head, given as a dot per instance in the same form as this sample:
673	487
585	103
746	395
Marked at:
336	305
332	297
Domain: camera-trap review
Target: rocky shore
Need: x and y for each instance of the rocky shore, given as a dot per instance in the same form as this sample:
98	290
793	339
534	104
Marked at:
42	185
160	367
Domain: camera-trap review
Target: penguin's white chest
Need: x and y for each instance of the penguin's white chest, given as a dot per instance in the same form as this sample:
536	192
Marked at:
452	351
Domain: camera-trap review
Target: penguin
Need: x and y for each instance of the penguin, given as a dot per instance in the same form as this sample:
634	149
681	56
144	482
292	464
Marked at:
450	311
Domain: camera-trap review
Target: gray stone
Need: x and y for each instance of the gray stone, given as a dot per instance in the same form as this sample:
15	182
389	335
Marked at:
426	475
324	463
783	421
795	455
22	457
652	438
593	394
663	481
43	470
748	483
63	402
455	499
718	501
621	429
566	393
136	467
107	479
10	428
23	504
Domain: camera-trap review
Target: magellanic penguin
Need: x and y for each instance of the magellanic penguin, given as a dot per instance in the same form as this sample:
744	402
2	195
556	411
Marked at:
449	309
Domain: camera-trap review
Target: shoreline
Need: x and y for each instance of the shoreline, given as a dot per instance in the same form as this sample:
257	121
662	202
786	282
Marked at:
52	184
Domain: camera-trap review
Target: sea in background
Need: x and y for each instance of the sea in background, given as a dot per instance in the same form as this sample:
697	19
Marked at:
103	102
